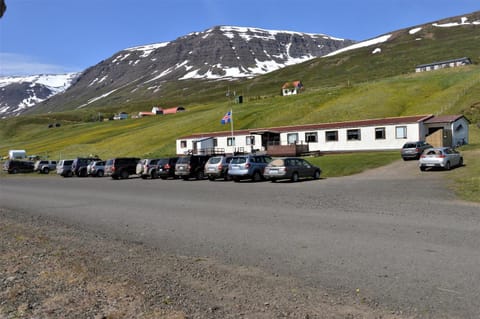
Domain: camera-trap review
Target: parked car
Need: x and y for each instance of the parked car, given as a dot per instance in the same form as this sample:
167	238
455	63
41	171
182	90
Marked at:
18	166
217	167
166	167
64	167
248	167
292	168
147	168
96	168
121	167
44	166
79	165
191	166
413	150
440	157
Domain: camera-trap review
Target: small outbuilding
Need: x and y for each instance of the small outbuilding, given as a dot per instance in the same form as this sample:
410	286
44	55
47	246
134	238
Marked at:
172	110
291	88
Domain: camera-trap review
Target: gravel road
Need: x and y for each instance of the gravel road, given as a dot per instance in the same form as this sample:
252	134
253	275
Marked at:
395	238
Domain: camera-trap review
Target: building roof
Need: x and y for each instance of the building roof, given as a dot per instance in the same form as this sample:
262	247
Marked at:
466	59
321	126
295	84
443	119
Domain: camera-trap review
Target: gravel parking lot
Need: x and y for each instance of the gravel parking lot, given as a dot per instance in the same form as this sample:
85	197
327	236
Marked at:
390	242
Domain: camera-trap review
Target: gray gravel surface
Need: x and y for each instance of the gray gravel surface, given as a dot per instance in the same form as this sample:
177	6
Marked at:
393	236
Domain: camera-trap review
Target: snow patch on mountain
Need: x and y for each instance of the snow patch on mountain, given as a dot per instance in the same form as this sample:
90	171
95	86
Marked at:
367	43
18	93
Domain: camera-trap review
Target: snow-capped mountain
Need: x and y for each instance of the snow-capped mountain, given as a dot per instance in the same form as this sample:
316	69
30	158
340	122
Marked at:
17	94
222	52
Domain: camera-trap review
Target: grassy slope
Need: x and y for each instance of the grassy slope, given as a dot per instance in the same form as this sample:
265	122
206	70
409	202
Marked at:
441	92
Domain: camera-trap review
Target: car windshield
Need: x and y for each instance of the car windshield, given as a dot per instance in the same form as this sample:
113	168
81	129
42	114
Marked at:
238	160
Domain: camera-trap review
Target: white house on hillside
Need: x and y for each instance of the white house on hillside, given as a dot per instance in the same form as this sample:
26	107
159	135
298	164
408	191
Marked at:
443	64
363	135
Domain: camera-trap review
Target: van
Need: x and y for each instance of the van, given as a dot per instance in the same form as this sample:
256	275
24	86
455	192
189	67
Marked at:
64	167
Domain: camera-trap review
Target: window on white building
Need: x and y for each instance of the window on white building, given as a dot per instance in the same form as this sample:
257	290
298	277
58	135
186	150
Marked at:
183	144
380	133
250	140
331	136
311	137
231	141
354	135
401	132
292	138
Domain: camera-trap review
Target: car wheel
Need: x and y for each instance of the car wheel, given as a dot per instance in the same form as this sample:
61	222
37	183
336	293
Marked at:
154	175
185	178
316	175
295	177
163	177
211	178
447	166
124	174
460	163
69	174
14	171
236	179
273	180
422	168
200	175
45	170
256	176
99	174
143	176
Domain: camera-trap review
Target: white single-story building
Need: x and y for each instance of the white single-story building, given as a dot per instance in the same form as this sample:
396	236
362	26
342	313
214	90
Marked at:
362	135
443	64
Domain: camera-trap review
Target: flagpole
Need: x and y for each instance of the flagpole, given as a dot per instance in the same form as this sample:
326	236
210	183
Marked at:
231	129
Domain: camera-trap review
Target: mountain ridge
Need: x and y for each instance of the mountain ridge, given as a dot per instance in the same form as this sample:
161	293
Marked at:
217	53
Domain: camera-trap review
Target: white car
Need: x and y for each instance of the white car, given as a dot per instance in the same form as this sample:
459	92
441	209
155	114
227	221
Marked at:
440	157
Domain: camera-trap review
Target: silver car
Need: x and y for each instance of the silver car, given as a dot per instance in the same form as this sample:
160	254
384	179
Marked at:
440	157
292	168
217	167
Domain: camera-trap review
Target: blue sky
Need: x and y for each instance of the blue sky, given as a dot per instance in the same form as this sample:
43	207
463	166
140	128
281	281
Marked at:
59	36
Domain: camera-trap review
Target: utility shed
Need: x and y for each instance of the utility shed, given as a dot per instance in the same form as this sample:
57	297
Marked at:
447	130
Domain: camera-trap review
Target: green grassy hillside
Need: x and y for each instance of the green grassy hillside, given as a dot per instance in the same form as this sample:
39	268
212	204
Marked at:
451	91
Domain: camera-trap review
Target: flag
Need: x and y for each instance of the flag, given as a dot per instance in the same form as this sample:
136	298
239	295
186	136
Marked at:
227	118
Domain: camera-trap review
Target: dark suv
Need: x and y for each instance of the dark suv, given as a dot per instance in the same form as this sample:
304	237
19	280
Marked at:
79	165
121	167
191	166
166	167
413	150
15	166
